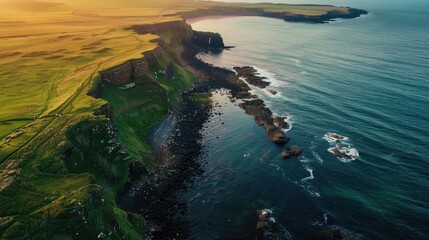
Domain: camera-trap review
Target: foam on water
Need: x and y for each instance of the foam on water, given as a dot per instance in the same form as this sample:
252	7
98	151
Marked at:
314	152
334	137
274	82
311	177
344	153
306	184
343	149
296	61
303	159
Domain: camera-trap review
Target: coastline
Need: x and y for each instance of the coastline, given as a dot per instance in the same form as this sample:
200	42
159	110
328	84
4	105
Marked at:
330	16
154	195
176	159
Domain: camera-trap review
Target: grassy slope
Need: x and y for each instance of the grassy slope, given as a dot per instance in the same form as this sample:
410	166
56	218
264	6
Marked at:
60	175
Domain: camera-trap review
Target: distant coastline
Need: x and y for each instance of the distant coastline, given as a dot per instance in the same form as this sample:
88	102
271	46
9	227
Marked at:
218	12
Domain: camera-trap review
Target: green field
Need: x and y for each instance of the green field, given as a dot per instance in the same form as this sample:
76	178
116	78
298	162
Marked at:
61	166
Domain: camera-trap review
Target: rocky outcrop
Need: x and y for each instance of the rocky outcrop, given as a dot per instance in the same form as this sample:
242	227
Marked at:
276	135
251	76
256	108
281	123
208	40
268	228
272	91
293	151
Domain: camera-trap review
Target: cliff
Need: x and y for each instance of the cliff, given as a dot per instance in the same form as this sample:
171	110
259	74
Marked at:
123	73
178	33
208	40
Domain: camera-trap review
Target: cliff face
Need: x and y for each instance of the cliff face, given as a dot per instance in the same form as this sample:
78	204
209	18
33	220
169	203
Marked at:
123	73
179	30
208	40
180	33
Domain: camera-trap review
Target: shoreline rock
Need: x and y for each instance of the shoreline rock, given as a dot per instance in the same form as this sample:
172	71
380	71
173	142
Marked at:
280	122
293	151
276	135
251	76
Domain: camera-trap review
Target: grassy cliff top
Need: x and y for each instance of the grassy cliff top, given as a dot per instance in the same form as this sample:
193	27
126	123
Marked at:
49	49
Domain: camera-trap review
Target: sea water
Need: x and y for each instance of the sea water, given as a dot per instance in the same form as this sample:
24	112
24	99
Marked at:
360	86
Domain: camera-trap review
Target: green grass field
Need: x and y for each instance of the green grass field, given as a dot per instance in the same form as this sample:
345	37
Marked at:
61	166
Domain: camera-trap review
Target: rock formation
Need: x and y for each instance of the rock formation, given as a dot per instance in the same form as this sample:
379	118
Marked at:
250	75
293	151
208	40
280	122
276	135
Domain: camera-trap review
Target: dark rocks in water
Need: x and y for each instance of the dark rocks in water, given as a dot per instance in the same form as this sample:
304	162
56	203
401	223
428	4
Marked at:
272	91
280	122
263	219
263	214
340	154
262	224
250	74
293	151
267	228
256	108
208	40
276	135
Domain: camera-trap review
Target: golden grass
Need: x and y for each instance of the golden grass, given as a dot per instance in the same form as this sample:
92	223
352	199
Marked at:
51	52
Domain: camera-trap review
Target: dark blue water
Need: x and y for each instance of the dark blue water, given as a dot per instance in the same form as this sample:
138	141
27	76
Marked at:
366	79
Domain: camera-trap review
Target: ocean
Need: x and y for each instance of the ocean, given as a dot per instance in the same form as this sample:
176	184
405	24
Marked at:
366	79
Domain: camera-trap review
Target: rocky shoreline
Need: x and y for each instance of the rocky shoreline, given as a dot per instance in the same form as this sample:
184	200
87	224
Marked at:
154	195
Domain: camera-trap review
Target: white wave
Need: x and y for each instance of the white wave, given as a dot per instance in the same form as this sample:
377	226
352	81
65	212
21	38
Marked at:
303	72
303	159
344	153
317	156
313	192
311	177
325	217
278	168
334	137
296	61
274	82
